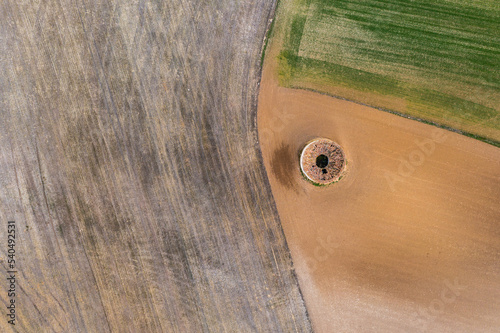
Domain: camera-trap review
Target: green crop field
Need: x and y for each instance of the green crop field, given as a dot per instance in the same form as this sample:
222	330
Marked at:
439	59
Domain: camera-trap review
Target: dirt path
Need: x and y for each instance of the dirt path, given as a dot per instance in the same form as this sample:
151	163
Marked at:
408	240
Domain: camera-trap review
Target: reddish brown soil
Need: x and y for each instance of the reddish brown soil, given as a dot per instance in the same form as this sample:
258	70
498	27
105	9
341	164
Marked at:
408	240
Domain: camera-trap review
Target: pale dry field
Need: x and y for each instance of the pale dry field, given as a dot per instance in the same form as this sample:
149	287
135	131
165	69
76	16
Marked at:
122	130
408	240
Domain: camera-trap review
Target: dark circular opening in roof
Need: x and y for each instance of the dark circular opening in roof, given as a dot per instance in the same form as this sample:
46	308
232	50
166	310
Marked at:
322	161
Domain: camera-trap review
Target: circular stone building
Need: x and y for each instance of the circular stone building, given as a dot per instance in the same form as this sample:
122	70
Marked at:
322	161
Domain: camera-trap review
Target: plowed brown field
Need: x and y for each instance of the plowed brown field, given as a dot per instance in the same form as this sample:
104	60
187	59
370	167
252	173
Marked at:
408	240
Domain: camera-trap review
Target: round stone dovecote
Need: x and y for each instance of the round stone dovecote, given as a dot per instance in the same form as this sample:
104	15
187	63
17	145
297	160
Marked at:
322	161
